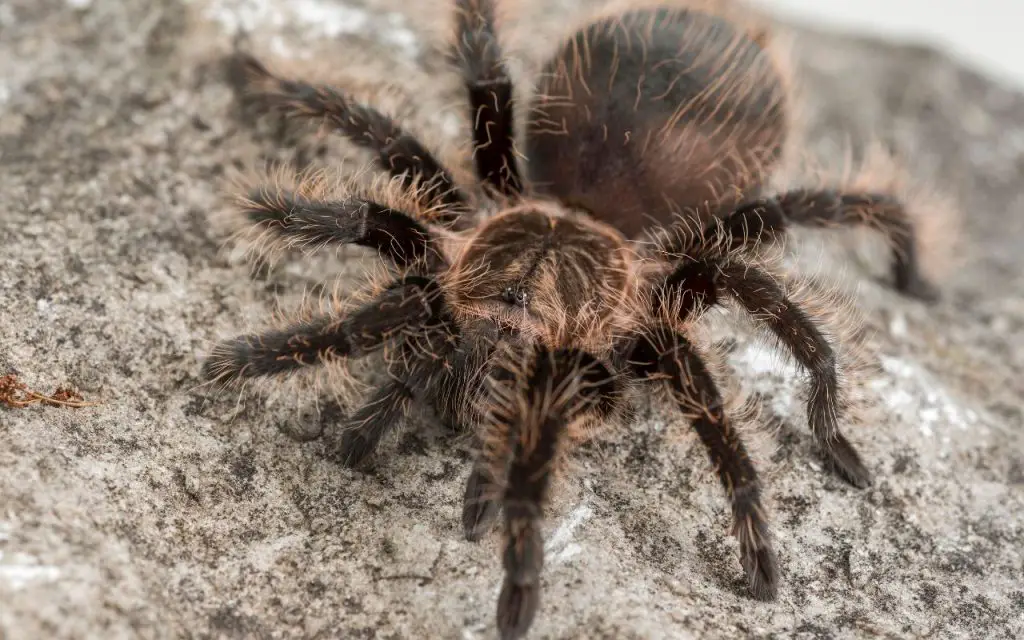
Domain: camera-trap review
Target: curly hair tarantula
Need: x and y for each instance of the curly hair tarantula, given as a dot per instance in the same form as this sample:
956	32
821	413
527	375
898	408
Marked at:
536	304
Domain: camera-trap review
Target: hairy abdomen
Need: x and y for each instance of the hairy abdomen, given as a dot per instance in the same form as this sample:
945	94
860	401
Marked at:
655	113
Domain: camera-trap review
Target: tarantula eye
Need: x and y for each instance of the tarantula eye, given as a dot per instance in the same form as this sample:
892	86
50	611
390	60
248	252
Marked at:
517	296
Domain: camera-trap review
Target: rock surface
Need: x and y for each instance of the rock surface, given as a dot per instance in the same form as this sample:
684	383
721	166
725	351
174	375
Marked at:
169	511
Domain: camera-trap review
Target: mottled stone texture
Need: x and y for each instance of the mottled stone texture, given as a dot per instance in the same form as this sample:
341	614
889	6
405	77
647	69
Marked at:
173	512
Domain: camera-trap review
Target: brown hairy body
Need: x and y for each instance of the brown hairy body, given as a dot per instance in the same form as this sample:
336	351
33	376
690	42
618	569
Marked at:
575	272
545	274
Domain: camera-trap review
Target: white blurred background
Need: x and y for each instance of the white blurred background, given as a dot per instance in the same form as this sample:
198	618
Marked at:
988	34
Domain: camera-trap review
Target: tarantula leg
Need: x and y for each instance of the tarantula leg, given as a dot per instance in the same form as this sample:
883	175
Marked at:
765	300
351	220
421	369
407	305
752	223
552	391
663	352
696	285
483	493
364	429
490	90
885	213
398	152
746	226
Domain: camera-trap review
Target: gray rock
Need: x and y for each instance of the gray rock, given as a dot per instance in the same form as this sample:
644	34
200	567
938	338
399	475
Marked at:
170	511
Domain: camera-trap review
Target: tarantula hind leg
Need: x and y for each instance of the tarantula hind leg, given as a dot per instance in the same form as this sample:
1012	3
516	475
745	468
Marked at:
764	299
694	284
754	221
662	352
526	430
398	152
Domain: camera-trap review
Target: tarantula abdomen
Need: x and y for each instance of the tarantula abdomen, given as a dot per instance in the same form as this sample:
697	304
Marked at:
656	106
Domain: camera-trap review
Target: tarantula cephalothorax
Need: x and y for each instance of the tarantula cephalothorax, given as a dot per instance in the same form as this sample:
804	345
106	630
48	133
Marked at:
525	325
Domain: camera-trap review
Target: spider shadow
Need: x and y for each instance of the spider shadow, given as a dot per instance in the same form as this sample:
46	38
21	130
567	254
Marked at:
418	435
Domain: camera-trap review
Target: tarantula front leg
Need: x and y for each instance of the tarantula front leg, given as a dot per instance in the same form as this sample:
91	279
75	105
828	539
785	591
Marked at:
696	284
299	220
477	52
481	501
528	421
406	306
397	151
757	220
408	311
663	353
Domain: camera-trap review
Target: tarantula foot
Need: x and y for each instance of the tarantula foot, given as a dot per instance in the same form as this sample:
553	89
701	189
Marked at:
843	459
478	510
352	448
756	554
762	571
243	357
517	607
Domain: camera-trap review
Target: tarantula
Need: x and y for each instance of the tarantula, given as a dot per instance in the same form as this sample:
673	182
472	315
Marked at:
533	305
